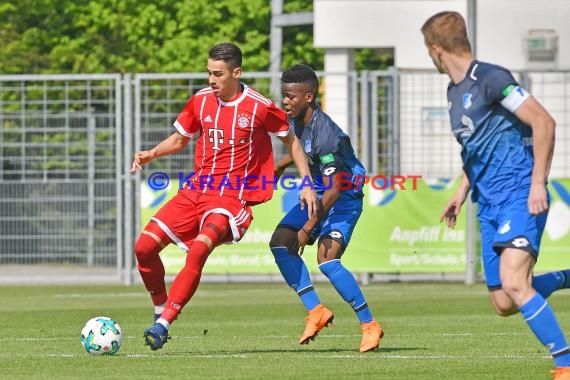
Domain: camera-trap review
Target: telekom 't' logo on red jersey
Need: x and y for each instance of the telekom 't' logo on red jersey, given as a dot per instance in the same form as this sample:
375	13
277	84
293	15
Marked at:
216	137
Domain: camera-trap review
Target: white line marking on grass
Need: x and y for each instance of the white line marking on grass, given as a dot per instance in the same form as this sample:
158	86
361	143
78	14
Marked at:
98	295
431	357
133	356
482	334
378	354
35	339
329	336
199	356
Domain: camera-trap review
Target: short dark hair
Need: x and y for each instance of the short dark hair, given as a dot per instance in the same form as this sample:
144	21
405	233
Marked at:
301	74
227	52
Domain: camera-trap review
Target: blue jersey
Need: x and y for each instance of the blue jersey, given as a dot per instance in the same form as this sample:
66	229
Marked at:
496	146
328	152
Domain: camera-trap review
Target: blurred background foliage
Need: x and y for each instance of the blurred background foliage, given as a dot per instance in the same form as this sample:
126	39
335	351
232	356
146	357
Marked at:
135	36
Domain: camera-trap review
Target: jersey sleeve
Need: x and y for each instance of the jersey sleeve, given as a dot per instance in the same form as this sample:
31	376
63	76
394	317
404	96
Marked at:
188	122
500	86
328	158
275	122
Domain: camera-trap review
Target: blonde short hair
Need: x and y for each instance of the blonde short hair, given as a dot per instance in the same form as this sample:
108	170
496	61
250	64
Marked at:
447	29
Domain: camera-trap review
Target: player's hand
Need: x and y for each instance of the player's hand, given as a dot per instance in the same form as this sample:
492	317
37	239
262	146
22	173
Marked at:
141	158
537	199
308	198
303	238
452	209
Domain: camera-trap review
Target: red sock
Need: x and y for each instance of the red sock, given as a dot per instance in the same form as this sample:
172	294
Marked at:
150	265
216	227
187	280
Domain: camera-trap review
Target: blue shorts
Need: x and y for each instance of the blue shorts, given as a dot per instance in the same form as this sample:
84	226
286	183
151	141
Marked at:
337	225
507	225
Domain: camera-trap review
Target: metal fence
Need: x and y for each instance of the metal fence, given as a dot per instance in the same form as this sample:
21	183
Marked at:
69	208
405	123
60	182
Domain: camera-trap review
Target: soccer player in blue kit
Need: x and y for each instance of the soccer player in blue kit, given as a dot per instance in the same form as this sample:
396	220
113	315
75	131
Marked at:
330	155
507	141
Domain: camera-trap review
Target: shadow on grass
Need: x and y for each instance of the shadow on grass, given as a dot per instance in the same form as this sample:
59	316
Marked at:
303	351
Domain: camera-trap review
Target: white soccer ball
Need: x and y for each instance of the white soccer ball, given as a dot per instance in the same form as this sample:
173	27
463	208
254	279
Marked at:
101	336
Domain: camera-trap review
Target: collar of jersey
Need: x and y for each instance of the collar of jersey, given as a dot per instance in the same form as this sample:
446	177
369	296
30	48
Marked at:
234	102
316	112
468	73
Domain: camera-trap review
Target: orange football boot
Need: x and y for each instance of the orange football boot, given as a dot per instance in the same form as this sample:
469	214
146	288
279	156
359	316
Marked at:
318	318
562	373
371	335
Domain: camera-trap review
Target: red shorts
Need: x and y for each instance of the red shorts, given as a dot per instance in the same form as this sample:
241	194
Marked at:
182	216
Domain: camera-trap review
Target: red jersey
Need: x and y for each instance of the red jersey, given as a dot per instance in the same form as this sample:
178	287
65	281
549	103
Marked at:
233	155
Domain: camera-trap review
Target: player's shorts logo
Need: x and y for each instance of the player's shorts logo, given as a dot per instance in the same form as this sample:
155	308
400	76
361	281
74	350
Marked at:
329	171
335	235
521	242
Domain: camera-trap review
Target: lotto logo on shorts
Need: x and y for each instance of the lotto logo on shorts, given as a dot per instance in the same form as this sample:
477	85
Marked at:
520	242
335	235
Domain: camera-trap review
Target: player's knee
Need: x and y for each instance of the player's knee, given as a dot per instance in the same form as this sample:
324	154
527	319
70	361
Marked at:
273	242
502	303
280	238
146	247
505	310
329	250
215	229
515	290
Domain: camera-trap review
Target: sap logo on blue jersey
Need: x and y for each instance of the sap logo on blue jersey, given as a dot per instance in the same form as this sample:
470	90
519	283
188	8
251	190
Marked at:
467	100
308	146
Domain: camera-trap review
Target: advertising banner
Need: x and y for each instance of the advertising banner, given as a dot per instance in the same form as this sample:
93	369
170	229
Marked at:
399	232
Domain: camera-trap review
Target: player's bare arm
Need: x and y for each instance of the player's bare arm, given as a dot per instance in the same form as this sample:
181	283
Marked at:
330	196
307	196
172	144
283	164
533	114
453	207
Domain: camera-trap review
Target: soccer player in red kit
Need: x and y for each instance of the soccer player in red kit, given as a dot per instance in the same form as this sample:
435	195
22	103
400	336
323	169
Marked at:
234	170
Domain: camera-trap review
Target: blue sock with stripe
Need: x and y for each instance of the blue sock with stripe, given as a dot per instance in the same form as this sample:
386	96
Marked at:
345	284
541	320
296	275
548	283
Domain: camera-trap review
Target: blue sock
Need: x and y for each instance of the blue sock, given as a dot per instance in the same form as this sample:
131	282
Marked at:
345	284
541	320
296	275
548	283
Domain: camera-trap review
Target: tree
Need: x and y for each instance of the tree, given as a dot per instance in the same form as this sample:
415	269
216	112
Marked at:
72	36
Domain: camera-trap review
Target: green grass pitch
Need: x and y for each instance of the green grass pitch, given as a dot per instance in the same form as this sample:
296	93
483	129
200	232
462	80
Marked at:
250	331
